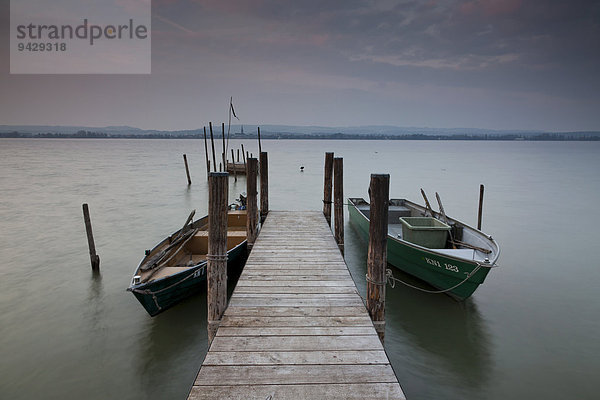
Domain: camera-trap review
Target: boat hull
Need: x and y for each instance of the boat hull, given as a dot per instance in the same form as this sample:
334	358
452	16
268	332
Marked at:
162	294
440	271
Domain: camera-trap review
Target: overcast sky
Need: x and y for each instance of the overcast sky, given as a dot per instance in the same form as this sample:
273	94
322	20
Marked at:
499	64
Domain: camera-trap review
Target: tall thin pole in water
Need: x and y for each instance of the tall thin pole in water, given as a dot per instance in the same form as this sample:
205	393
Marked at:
94	258
212	143
187	170
234	168
206	154
479	214
259	146
224	154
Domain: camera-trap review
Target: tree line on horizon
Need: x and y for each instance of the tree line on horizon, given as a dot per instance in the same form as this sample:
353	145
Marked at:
82	134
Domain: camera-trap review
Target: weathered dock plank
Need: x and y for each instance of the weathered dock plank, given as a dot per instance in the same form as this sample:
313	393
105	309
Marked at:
295	326
296	357
211	375
361	391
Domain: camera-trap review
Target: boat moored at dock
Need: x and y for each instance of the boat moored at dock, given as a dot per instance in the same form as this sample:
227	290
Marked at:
449	255
176	267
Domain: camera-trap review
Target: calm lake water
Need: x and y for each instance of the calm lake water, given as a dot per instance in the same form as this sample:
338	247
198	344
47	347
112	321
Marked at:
530	332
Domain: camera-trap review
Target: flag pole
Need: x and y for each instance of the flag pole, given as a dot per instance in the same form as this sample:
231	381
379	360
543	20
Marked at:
229	126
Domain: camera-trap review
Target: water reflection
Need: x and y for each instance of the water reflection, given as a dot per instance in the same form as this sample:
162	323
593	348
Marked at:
167	343
175	340
451	332
95	313
446	336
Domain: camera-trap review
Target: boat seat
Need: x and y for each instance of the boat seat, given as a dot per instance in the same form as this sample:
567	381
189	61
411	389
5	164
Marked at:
467	254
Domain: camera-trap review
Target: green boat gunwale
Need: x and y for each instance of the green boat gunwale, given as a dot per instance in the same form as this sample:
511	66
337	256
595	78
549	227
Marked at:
457	272
357	201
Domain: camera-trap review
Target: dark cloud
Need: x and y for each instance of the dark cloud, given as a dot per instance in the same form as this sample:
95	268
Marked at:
527	59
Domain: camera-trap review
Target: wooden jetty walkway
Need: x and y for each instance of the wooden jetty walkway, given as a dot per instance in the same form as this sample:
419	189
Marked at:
296	327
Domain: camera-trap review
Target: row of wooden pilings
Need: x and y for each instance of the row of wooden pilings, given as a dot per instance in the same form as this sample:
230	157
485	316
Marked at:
218	188
224	161
377	252
333	179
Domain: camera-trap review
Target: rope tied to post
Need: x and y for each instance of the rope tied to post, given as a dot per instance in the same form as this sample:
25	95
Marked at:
216	257
382	283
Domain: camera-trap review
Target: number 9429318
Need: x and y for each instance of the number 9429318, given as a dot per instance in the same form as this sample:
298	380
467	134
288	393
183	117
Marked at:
35	46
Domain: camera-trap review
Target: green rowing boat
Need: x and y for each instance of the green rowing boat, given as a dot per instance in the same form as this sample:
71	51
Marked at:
451	256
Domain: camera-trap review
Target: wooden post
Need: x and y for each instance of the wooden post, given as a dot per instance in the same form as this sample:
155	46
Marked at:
327	187
377	253
94	258
251	206
238	155
479	214
338	201
259	147
212	143
264	186
187	170
206	154
234	169
244	155
216	274
224	154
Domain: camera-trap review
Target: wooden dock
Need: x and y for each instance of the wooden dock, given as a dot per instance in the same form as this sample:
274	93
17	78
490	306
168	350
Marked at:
296	327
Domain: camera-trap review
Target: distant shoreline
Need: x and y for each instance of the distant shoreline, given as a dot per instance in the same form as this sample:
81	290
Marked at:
555	137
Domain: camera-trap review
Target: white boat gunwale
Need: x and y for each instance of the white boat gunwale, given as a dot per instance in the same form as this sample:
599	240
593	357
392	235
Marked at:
487	239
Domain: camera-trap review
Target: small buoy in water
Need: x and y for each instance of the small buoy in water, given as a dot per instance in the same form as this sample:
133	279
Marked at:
301	168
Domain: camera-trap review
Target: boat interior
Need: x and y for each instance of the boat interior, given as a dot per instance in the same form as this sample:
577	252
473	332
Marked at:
179	251
459	240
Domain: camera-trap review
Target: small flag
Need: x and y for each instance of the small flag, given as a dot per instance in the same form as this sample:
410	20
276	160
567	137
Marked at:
233	111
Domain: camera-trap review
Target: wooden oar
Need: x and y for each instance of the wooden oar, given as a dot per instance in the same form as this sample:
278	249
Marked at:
439	200
171	255
187	221
470	246
156	259
427	202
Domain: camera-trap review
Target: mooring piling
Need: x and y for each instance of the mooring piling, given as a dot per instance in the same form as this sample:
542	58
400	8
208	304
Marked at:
187	169
224	153
377	253
251	203
264	186
234	167
94	258
480	212
259	145
206	154
212	143
338	201
327	187
216	274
